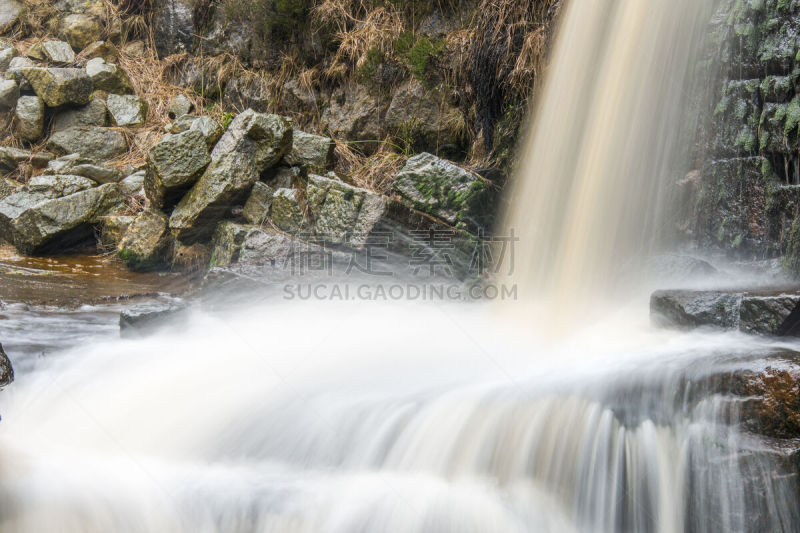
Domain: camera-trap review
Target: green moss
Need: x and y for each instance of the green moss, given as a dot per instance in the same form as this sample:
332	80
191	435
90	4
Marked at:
418	53
746	139
368	70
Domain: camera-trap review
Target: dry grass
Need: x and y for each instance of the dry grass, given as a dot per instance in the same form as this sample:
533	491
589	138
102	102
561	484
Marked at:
375	172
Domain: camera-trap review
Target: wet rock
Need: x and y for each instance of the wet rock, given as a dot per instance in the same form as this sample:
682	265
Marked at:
10	11
134	184
126	110
96	144
444	190
9	93
144	246
102	49
174	164
354	114
6	370
288	210
35	223
252	245
312	151
265	138
29	118
108	77
7	53
256	209
179	106
209	127
80	30
173	26
147	319
92	114
113	230
226	181
60	86
57	186
52	52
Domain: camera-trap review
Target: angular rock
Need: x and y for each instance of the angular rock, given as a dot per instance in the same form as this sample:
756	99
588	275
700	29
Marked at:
173	26
9	94
96	144
265	138
92	114
64	164
133	184
29	118
423	115
52	52
288	210
14	72
57	186
10	11
60	86
312	151
139	321
256	209
8	187
444	190
98	173
10	158
108	77
174	164
226	180
191	259
145	244
80	30
35	223
113	230
7	53
236	243
127	110
6	370
179	106
209	127
354	114
286	178
102	49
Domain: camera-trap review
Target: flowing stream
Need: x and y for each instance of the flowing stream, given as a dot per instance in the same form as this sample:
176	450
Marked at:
432	417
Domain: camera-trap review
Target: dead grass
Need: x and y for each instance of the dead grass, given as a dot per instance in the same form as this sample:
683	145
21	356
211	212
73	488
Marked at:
375	172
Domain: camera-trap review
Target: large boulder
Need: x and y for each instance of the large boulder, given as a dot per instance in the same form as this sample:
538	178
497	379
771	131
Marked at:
91	114
256	209
80	30
127	110
173	165
29	118
34	222
108	77
146	241
10	11
6	370
173	26
354	114
96	144
52	52
9	94
209	127
226	181
265	138
312	151
288	210
444	190
236	243
59	86
113	229
56	186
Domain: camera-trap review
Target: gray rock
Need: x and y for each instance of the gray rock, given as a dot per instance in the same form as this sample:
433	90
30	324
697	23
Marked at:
113	229
312	151
56	186
256	209
14	72
133	184
10	158
108	77
89	7
9	94
64	164
444	190
35	223
29	118
80	30
209	127
179	106
226	180
143	320
145	244
288	210
424	115
174	164
95	144
265	138
102	49
127	110
354	114
296	96
7	53
10	11
60	86
236	243
98	173
6	370
248	92
8	187
52	52
286	178
92	114
173	26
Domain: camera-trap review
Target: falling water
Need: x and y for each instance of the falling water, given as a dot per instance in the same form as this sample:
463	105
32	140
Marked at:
348	417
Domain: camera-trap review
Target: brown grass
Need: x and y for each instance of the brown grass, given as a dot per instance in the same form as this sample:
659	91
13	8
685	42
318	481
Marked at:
375	172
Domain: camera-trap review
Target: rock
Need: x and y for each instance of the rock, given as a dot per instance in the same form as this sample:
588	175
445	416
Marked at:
10	11
297	97
179	106
35	223
52	52
312	151
145	244
10	158
29	118
444	190
92	114
139	321
64	164
190	259
256	209
98	173
227	180
57	186
96	144
80	30
758	312
236	243
173	26
127	110
354	114
209	127
135	48
6	370
286	178
14	72
265	138
108	77
60	86
113	230
174	164
9	94
89	7
248	92
103	50
8	187
288	210
7	53
134	184
423	116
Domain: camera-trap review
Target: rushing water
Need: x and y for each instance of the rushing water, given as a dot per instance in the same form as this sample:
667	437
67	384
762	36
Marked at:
429	417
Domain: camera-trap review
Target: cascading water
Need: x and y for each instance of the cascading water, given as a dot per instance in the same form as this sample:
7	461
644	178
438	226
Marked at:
350	417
